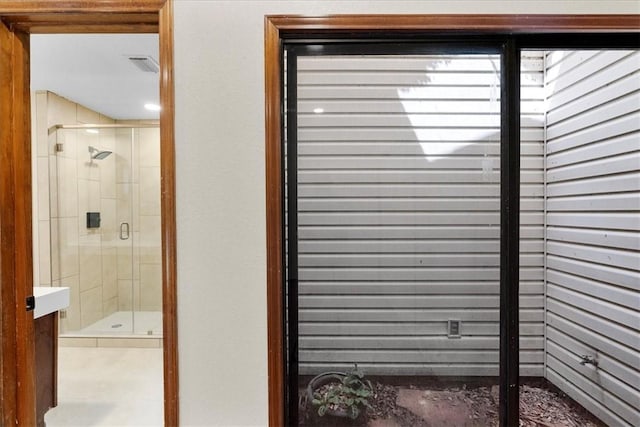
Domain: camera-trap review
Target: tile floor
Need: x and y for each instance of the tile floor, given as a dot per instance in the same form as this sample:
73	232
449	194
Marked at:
114	387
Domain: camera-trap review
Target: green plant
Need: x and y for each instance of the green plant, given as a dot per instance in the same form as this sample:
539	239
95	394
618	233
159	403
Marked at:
346	394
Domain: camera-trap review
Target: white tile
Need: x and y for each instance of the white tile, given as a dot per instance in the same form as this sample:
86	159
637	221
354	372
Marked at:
88	201
124	266
65	143
110	306
44	251
150	287
42	136
102	119
90	262
43	187
60	110
65	241
88	168
77	342
107	138
136	295
94	196
129	342
124	203
91	306
87	116
108	387
53	186
149	147
150	191
109	223
109	273
123	156
72	321
125	294
150	242
67	187
55	249
107	168
135	203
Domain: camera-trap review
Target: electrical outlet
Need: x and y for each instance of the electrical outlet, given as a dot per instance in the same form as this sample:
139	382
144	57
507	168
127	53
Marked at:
63	314
453	329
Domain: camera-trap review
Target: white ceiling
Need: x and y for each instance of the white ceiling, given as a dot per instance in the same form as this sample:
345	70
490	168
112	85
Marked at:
94	70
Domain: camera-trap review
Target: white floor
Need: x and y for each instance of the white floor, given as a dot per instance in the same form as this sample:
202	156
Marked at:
125	323
115	387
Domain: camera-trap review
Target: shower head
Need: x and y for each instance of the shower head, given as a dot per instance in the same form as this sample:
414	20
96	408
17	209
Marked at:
101	155
98	154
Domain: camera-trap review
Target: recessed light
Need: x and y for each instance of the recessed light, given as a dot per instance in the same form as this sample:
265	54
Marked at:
93	131
152	107
318	110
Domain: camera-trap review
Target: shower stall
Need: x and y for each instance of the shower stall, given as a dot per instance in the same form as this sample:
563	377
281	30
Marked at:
104	228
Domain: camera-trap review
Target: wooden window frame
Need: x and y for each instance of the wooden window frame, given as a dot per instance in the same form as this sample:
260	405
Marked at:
19	18
279	28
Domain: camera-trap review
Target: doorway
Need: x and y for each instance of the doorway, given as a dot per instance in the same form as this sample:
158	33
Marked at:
19	19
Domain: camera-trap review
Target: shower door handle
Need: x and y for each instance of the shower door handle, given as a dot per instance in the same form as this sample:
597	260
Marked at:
124	231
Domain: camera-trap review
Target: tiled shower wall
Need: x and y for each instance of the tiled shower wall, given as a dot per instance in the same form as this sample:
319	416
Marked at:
95	263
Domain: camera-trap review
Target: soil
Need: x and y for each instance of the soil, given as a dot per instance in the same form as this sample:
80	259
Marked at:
460	406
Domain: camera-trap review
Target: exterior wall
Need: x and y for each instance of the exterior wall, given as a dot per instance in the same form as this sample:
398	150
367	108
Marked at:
593	230
398	210
219	71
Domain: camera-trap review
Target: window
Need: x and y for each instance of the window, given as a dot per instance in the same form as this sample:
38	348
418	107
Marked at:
378	183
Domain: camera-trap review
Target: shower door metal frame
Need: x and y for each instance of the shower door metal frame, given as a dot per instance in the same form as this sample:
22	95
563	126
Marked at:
105	126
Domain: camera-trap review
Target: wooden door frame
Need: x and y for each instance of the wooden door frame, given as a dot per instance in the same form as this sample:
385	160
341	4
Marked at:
277	30
19	19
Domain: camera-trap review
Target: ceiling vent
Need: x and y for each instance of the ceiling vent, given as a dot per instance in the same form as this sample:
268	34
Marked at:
145	63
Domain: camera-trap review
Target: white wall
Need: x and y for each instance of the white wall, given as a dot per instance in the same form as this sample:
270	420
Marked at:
221	189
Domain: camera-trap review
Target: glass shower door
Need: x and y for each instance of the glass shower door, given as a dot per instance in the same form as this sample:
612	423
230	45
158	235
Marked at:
145	229
85	167
104	236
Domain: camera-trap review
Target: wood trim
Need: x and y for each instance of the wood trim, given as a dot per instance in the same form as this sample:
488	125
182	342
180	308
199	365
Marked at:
168	207
15	220
275	291
8	353
31	7
84	23
280	27
51	28
455	23
17	385
23	233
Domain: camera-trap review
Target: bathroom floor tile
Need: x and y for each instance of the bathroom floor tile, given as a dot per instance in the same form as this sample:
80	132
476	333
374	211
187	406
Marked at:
114	387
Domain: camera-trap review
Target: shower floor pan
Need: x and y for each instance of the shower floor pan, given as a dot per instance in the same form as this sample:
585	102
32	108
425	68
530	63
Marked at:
119	329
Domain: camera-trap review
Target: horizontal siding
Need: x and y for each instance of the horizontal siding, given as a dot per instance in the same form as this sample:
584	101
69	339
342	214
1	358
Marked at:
399	214
593	230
